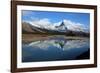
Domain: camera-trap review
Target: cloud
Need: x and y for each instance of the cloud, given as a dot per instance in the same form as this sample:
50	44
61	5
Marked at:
44	21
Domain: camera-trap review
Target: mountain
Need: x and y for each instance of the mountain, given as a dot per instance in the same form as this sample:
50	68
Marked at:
58	29
26	27
61	27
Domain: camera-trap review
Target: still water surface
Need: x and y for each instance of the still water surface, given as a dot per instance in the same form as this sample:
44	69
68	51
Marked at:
55	49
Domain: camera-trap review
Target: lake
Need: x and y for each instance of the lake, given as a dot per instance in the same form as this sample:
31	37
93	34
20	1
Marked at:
55	49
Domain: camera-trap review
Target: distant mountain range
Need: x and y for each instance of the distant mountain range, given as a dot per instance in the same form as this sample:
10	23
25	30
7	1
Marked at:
61	29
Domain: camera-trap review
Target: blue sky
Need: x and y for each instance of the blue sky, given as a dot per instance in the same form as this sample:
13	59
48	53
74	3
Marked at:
31	15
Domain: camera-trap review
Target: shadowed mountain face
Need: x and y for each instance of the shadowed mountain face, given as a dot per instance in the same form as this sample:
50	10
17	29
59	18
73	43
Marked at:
61	29
26	27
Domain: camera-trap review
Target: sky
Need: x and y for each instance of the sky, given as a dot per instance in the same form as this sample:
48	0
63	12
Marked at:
50	17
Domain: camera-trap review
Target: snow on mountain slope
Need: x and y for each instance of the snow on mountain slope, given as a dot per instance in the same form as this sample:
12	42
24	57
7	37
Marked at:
43	23
76	26
59	26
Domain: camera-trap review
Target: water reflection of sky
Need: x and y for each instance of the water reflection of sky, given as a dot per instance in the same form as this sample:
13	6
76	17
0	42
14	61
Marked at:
54	49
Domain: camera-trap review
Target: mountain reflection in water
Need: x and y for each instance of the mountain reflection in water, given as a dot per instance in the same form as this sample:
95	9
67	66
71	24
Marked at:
55	49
